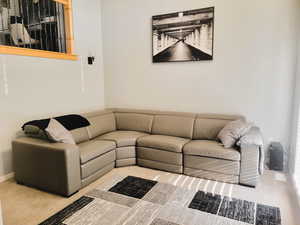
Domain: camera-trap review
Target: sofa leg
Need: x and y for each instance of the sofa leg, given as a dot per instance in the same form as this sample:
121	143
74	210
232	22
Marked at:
20	183
69	196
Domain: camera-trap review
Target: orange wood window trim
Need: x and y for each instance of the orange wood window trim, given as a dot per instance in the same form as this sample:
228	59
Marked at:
35	53
65	2
69	27
11	50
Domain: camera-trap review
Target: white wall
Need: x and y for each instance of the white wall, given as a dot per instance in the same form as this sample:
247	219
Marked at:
252	72
42	87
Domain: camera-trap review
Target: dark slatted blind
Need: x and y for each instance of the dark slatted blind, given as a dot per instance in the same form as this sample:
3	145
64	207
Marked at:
34	24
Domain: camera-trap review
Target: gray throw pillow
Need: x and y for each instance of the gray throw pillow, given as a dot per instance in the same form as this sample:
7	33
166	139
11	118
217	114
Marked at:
58	133
35	132
232	132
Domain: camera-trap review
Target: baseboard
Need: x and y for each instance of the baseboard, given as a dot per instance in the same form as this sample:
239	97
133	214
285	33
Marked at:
6	177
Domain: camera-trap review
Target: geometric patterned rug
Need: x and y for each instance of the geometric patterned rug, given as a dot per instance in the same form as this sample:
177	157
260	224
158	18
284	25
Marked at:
138	201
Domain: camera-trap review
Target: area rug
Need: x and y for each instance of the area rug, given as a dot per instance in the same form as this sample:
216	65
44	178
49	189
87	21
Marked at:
137	201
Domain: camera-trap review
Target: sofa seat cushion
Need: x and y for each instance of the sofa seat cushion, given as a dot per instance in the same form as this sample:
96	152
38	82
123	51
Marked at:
167	143
92	149
122	138
211	149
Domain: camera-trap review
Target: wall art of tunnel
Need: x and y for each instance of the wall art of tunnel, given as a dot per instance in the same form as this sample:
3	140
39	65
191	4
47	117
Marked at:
183	36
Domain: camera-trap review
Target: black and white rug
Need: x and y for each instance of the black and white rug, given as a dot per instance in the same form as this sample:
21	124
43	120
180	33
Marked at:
138	201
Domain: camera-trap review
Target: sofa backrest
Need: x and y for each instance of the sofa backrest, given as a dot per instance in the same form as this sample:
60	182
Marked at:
174	124
134	121
208	126
80	135
101	122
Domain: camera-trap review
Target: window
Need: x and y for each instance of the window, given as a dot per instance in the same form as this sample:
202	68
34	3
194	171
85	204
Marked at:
41	28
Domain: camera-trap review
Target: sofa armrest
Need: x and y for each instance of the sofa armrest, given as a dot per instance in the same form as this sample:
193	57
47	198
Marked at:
53	167
250	162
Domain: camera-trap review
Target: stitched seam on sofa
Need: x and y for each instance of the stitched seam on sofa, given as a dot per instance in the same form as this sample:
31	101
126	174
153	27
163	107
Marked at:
179	153
236	175
152	122
211	157
104	167
194	128
136	143
89	133
192	115
125	159
82	178
149	160
116	142
115	110
107	139
153	112
155	148
81	164
190	140
161	161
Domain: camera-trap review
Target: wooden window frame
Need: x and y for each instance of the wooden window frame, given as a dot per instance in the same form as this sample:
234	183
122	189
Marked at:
11	50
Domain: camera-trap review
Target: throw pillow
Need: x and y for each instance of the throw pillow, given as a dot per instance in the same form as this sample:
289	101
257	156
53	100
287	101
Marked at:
252	137
232	132
35	132
58	133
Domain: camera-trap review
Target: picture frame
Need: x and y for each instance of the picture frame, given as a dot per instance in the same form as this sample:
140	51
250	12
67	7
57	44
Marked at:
183	36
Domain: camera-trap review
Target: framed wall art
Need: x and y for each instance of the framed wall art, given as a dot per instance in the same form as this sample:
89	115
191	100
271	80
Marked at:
183	36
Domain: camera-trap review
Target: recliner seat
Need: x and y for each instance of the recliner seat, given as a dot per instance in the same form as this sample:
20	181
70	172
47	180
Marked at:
175	142
125	142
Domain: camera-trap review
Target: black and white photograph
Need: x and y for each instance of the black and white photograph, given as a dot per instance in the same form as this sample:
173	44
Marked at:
183	36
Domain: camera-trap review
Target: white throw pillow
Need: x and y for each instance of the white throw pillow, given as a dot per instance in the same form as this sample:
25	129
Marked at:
252	137
58	133
233	131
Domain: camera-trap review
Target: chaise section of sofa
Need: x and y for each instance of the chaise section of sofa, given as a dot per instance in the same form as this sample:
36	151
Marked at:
205	157
65	168
210	160
170	141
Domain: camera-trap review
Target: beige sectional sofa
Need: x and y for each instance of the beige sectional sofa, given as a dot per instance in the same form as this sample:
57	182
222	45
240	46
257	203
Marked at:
175	142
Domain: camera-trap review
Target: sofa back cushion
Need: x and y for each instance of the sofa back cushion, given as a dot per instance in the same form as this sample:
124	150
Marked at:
80	135
101	122
208	126
134	122
174	125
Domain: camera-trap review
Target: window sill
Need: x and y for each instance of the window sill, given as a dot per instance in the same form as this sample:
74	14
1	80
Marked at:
36	53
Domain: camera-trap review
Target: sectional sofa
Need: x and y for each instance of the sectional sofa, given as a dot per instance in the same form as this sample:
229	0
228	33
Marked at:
170	141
